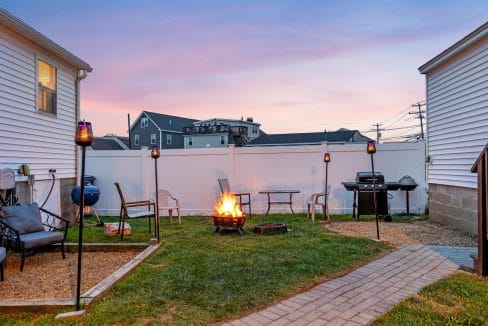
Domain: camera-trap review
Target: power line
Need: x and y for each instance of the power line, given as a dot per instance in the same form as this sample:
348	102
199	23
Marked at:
401	113
389	129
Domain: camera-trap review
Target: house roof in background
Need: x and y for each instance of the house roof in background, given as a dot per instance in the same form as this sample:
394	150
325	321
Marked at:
110	143
168	122
307	138
230	120
12	22
454	49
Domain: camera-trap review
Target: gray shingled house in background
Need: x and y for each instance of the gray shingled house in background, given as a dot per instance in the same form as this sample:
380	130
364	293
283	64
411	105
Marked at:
165	131
340	136
110	143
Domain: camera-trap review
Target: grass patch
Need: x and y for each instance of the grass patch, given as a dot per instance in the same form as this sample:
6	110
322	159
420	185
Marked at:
197	278
461	299
93	233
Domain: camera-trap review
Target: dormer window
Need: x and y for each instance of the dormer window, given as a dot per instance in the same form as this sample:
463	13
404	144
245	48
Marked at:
47	87
143	122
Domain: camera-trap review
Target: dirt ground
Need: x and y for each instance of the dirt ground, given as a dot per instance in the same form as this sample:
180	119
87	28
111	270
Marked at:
48	276
415	231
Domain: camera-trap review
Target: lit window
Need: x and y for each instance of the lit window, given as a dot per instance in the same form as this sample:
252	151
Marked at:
136	140
222	139
143	122
47	89
168	139
153	139
190	141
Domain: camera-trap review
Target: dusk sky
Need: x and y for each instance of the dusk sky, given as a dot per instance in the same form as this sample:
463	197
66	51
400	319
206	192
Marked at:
294	66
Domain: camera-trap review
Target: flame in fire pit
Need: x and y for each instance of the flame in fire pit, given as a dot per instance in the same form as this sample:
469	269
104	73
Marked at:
228	206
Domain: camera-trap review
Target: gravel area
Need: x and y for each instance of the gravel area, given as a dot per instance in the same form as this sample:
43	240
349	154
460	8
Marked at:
416	231
48	276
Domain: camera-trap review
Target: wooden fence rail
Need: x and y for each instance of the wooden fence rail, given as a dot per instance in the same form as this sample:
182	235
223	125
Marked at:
481	167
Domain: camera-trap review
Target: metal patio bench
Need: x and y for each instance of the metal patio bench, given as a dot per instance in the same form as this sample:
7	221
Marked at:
23	230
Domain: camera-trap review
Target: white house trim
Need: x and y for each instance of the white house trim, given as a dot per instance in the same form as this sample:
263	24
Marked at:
456	48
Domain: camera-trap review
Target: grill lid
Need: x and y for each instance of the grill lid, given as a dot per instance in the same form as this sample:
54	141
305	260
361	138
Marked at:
367	177
407	181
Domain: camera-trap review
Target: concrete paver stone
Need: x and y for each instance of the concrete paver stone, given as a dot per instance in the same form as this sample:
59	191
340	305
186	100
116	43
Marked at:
366	293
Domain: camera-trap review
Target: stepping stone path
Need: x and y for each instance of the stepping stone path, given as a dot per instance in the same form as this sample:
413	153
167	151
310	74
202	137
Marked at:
458	255
362	295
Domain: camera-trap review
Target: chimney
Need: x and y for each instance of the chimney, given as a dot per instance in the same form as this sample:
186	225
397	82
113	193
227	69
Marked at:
249	119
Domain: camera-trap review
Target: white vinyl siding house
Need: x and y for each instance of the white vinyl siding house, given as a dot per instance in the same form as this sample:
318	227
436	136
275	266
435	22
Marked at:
38	105
27	135
457	126
458	117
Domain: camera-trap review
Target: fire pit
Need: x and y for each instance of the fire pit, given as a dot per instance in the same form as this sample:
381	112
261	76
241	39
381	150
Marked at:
270	228
229	214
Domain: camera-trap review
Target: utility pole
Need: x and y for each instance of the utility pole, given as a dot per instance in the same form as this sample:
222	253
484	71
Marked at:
128	130
419	115
378	131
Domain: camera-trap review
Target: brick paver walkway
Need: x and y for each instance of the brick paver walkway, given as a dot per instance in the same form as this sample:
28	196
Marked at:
362	295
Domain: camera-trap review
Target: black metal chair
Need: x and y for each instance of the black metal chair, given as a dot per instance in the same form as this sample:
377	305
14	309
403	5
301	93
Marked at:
224	187
23	230
124	213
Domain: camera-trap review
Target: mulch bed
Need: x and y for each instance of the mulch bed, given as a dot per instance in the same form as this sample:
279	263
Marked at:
48	276
413	232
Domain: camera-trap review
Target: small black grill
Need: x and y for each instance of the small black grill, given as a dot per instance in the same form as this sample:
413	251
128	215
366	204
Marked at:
407	184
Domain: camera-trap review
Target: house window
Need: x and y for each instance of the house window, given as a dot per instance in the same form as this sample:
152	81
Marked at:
254	130
153	139
136	140
168	139
143	122
47	87
190	141
222	139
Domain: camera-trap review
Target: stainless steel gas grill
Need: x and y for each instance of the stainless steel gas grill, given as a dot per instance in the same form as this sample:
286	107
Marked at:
363	200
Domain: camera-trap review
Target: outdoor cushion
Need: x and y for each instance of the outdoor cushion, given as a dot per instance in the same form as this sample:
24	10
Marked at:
40	239
3	253
23	218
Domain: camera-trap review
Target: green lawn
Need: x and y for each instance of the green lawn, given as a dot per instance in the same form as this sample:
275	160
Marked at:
395	217
461	299
197	278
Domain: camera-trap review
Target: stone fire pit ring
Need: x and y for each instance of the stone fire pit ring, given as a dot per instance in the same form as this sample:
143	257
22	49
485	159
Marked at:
270	228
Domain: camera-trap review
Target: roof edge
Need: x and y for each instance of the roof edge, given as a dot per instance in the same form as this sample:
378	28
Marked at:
44	42
454	49
233	120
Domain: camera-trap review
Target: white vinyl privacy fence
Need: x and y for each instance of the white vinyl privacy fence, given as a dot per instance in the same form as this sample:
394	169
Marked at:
191	174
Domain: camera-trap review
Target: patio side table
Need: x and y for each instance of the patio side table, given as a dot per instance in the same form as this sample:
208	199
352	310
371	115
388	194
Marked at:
289	192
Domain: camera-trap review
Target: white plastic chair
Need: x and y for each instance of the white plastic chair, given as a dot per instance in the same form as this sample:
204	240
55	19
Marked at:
167	202
317	200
